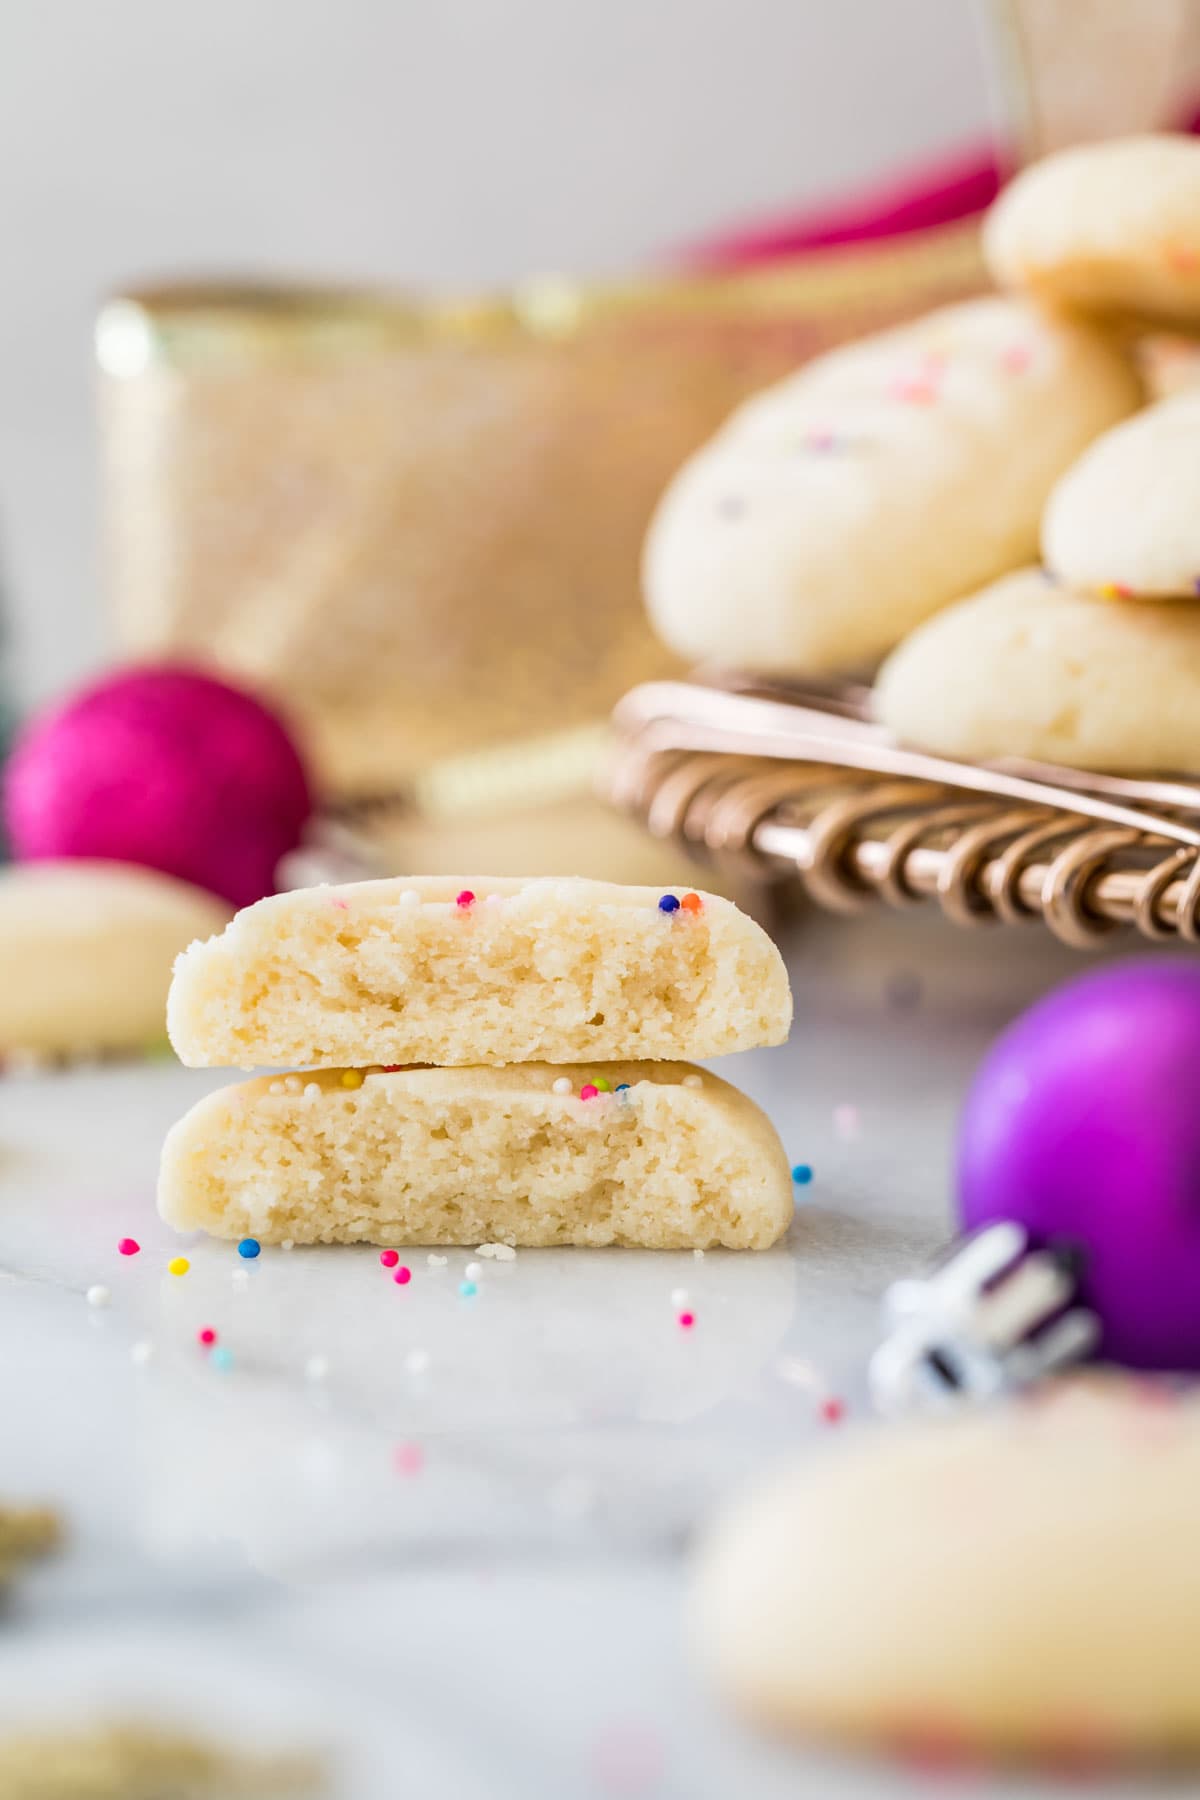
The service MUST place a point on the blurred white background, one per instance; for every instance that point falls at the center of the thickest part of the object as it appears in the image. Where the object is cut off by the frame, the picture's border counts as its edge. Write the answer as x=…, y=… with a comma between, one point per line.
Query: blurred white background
x=461, y=142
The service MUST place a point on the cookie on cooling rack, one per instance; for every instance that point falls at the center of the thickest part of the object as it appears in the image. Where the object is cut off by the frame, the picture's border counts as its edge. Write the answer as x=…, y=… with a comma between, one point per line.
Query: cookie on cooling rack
x=838, y=509
x=1029, y=668
x=1111, y=227
x=1125, y=520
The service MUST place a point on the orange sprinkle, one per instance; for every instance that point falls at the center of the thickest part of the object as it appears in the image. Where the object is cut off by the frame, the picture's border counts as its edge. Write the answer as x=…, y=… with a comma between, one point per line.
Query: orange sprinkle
x=692, y=903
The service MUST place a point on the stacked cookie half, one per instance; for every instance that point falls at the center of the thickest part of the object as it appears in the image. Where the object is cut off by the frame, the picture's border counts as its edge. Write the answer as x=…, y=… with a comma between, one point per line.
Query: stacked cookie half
x=482, y=1060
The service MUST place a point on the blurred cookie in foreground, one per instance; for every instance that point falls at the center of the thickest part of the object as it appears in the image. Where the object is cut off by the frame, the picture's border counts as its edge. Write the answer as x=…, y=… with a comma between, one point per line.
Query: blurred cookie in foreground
x=1017, y=1582
x=86, y=950
x=1028, y=668
x=1124, y=521
x=652, y=1155
x=836, y=510
x=1107, y=228
x=144, y=1762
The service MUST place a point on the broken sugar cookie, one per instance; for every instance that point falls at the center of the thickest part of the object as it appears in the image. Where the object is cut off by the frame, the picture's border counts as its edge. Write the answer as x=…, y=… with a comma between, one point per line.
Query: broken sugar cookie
x=839, y=508
x=1022, y=1580
x=86, y=950
x=455, y=971
x=659, y=1156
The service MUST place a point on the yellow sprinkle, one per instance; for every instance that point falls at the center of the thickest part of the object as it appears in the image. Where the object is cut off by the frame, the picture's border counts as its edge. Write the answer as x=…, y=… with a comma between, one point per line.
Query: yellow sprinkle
x=351, y=1078
x=178, y=1265
x=602, y=1085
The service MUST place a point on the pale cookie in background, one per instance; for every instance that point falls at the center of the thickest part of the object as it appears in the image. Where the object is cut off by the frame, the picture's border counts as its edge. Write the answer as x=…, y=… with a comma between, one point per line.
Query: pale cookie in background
x=1125, y=520
x=86, y=950
x=464, y=970
x=1028, y=668
x=1023, y=1580
x=1108, y=228
x=838, y=509
x=662, y=1156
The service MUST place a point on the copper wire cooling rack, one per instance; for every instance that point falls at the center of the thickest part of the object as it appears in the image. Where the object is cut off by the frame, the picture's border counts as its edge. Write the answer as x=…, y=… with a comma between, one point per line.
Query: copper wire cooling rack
x=792, y=785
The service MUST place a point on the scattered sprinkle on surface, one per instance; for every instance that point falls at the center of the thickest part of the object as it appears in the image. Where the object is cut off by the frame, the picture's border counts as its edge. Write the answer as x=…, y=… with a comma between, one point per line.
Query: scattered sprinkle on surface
x=500, y=1252
x=687, y=1320
x=831, y=1410
x=467, y=1289
x=802, y=1174
x=221, y=1358
x=389, y=1258
x=178, y=1265
x=206, y=1336
x=679, y=1297
x=408, y=1459
x=98, y=1295
x=403, y=1275
x=249, y=1248
x=473, y=1271
x=128, y=1246
x=435, y=1261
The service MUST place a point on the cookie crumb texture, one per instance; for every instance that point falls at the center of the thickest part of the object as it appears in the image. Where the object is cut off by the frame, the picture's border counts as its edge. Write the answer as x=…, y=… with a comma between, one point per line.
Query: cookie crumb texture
x=463, y=1156
x=555, y=970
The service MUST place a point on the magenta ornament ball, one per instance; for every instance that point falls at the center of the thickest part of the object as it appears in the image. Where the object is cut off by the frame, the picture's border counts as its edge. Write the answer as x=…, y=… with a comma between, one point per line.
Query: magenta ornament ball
x=1083, y=1125
x=168, y=767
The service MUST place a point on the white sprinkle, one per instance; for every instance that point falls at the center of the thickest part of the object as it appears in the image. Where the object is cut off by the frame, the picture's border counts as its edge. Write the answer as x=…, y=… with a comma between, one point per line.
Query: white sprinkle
x=287, y=1244
x=312, y=1090
x=240, y=1276
x=276, y=1087
x=699, y=1255
x=98, y=1295
x=561, y=1086
x=142, y=1352
x=473, y=1271
x=416, y=1362
x=292, y=1083
x=693, y=1081
x=494, y=900
x=410, y=897
x=436, y=1262
x=797, y=1372
x=316, y=1368
x=679, y=1296
x=501, y=1252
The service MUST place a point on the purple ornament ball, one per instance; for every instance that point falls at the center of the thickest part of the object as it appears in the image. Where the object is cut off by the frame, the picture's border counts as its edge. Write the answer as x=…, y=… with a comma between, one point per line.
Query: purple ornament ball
x=1083, y=1125
x=163, y=766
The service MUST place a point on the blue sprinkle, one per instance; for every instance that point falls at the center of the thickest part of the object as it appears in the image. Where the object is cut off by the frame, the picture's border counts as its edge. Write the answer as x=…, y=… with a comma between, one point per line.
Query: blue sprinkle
x=802, y=1174
x=220, y=1358
x=249, y=1247
x=467, y=1288
x=668, y=904
x=622, y=1087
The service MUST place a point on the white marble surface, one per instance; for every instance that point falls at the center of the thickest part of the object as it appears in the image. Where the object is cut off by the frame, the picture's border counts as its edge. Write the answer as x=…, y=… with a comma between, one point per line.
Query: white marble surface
x=508, y=1620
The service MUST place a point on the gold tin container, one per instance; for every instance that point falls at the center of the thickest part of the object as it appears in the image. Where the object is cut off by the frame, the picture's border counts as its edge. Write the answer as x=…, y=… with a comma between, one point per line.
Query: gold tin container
x=419, y=525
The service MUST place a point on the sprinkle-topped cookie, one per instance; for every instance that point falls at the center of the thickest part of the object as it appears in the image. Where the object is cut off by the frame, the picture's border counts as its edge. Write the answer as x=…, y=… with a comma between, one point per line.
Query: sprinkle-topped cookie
x=563, y=971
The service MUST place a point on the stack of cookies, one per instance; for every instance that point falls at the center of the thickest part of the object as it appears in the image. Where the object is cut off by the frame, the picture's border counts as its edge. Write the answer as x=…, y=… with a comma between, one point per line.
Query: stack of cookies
x=482, y=1061
x=978, y=488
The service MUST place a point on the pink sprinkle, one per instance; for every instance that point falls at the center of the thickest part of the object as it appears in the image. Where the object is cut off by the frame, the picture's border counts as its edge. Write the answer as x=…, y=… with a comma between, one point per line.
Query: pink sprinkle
x=389, y=1258
x=687, y=1320
x=588, y=1092
x=465, y=899
x=1016, y=358
x=128, y=1246
x=207, y=1336
x=832, y=1411
x=408, y=1459
x=342, y=905
x=914, y=392
x=403, y=1275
